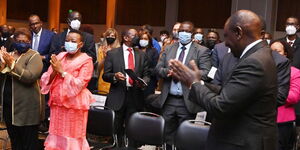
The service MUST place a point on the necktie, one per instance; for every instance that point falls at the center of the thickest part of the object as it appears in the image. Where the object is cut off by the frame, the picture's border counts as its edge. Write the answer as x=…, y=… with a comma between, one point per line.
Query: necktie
x=291, y=44
x=181, y=55
x=36, y=42
x=130, y=63
x=180, y=58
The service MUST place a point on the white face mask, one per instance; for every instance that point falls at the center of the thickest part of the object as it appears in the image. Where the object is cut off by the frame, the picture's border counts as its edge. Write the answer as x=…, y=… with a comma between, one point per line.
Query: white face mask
x=144, y=43
x=290, y=30
x=198, y=36
x=75, y=24
x=268, y=41
x=71, y=47
x=185, y=37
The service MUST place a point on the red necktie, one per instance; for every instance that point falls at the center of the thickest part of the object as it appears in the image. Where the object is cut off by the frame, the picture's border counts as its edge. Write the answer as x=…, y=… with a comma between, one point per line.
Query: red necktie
x=130, y=63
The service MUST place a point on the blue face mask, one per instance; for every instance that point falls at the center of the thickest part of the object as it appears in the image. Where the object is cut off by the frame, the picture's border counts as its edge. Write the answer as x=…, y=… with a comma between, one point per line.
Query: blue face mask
x=185, y=37
x=71, y=47
x=21, y=47
x=198, y=36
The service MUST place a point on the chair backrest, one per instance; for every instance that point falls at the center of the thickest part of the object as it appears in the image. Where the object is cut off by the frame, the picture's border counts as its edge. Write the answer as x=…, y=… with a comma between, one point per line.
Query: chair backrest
x=101, y=121
x=191, y=135
x=146, y=128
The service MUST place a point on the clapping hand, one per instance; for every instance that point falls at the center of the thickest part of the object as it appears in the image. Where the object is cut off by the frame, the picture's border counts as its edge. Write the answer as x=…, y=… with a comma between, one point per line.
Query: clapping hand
x=6, y=57
x=56, y=64
x=184, y=74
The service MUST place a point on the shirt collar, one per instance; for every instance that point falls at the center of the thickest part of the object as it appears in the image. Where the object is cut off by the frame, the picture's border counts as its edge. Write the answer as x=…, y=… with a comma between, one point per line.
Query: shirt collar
x=126, y=47
x=250, y=46
x=39, y=33
x=187, y=46
x=287, y=39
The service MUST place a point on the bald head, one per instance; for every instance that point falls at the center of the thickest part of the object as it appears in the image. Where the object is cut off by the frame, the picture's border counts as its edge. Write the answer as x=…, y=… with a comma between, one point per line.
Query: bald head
x=241, y=29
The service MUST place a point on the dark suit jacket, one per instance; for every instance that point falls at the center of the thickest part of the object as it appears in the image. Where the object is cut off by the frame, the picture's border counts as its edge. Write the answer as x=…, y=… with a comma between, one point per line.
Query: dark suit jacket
x=283, y=74
x=220, y=50
x=200, y=54
x=114, y=62
x=44, y=47
x=7, y=44
x=244, y=111
x=88, y=47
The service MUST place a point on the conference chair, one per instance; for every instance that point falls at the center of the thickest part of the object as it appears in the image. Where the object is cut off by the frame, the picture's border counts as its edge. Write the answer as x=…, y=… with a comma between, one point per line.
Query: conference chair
x=146, y=128
x=192, y=135
x=101, y=123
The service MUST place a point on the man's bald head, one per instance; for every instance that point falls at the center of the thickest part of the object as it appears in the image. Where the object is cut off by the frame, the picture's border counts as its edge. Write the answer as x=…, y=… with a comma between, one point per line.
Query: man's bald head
x=241, y=29
x=248, y=21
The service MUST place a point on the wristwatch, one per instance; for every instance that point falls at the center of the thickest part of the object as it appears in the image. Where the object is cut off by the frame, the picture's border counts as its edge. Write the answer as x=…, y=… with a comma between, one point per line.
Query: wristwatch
x=63, y=74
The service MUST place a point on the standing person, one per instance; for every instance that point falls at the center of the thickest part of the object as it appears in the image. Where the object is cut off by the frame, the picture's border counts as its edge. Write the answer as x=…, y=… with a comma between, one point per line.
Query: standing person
x=149, y=29
x=175, y=32
x=174, y=102
x=163, y=34
x=286, y=114
x=74, y=22
x=41, y=39
x=20, y=92
x=125, y=95
x=111, y=41
x=198, y=36
x=5, y=40
x=152, y=54
x=241, y=118
x=66, y=80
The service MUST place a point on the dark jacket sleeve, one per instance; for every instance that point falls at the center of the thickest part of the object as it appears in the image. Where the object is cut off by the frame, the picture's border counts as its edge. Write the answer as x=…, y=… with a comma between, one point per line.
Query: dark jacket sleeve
x=108, y=74
x=283, y=80
x=162, y=68
x=204, y=63
x=89, y=46
x=244, y=83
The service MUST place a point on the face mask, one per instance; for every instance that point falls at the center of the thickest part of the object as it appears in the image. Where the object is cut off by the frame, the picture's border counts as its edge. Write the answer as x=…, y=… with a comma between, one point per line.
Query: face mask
x=210, y=44
x=75, y=24
x=175, y=35
x=268, y=41
x=110, y=40
x=290, y=30
x=162, y=38
x=21, y=47
x=198, y=36
x=144, y=43
x=135, y=41
x=5, y=34
x=71, y=47
x=185, y=37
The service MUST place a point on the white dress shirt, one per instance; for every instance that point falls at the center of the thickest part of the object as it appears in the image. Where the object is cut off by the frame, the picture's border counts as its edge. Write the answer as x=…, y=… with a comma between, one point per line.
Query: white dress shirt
x=176, y=88
x=126, y=54
x=292, y=41
x=250, y=46
x=33, y=39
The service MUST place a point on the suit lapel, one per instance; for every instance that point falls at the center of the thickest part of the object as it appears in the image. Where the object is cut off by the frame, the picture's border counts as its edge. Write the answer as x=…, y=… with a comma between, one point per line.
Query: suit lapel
x=121, y=58
x=190, y=54
x=174, y=50
x=136, y=60
x=42, y=38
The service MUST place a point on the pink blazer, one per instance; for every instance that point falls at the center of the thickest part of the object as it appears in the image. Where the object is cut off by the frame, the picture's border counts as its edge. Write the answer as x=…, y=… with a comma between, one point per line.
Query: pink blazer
x=287, y=112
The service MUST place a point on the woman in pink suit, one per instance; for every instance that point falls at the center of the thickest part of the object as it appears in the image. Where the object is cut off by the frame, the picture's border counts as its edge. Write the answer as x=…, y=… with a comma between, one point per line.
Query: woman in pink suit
x=66, y=80
x=286, y=114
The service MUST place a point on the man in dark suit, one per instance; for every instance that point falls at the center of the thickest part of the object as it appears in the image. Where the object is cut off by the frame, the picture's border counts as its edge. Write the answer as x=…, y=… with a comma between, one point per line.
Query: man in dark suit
x=41, y=39
x=220, y=50
x=74, y=22
x=283, y=73
x=125, y=95
x=5, y=39
x=291, y=28
x=244, y=109
x=174, y=96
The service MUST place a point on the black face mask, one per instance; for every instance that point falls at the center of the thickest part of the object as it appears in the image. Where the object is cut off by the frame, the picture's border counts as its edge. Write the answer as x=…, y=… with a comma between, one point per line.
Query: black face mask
x=210, y=44
x=5, y=34
x=135, y=41
x=110, y=40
